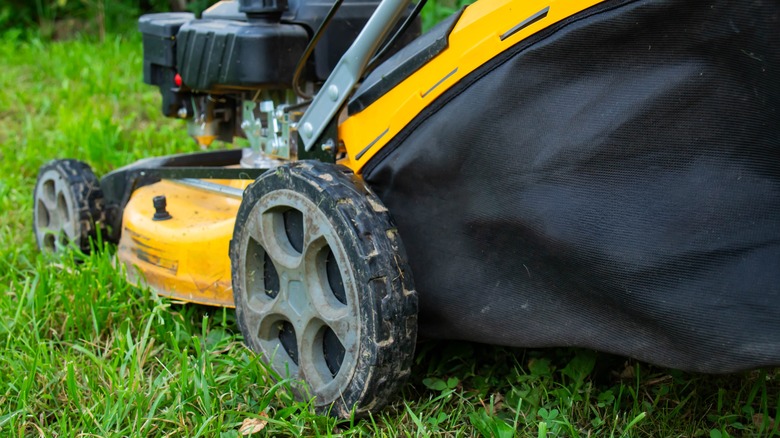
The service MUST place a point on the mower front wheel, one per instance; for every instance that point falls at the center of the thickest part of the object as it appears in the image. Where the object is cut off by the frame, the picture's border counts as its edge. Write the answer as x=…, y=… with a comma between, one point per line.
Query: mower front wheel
x=322, y=287
x=67, y=206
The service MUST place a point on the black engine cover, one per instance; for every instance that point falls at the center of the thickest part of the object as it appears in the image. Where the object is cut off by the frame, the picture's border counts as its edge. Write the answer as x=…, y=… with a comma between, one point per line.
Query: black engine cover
x=221, y=54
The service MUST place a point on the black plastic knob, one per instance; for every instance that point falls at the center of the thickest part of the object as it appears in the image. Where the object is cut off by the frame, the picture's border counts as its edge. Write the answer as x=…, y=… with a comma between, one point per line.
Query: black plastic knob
x=160, y=213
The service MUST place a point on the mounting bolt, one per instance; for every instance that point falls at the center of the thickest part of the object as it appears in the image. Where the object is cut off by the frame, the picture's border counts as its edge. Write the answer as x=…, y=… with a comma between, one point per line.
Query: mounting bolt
x=333, y=93
x=160, y=213
x=182, y=112
x=328, y=145
x=307, y=130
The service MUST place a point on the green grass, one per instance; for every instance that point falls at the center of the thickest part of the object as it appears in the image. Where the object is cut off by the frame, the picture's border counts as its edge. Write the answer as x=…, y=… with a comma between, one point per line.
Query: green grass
x=83, y=353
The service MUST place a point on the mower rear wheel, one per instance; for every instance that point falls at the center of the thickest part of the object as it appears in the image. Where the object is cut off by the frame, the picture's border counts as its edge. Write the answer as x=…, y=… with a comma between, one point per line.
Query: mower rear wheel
x=322, y=287
x=67, y=206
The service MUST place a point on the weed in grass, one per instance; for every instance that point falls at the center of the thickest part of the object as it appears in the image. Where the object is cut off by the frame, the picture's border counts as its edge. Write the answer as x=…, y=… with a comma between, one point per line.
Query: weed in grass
x=83, y=352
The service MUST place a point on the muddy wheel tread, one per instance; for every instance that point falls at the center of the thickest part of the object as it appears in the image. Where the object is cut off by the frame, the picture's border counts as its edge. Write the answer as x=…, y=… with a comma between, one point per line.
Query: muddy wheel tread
x=86, y=191
x=392, y=292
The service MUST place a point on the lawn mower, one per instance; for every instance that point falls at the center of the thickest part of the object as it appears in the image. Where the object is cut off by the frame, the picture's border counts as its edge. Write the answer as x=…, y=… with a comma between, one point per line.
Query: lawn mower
x=531, y=173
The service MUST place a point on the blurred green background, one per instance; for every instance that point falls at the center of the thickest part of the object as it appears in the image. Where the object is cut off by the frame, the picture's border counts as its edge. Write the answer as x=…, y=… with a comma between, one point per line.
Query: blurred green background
x=65, y=19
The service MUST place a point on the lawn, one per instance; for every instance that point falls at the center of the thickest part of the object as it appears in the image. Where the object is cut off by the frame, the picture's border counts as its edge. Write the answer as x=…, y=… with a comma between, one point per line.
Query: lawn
x=86, y=354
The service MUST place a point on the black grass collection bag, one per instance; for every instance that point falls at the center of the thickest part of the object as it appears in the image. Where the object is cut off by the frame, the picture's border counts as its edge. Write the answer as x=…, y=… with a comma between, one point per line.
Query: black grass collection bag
x=613, y=182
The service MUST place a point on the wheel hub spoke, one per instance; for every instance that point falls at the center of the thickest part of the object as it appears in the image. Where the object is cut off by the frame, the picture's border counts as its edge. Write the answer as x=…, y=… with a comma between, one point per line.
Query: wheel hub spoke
x=298, y=299
x=55, y=225
x=292, y=239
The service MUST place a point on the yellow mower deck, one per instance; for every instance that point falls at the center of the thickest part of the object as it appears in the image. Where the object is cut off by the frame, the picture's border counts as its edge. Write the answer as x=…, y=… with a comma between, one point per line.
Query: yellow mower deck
x=185, y=257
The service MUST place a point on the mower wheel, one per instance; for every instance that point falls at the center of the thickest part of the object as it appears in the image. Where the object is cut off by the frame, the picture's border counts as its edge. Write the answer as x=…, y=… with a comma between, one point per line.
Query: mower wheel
x=322, y=287
x=67, y=206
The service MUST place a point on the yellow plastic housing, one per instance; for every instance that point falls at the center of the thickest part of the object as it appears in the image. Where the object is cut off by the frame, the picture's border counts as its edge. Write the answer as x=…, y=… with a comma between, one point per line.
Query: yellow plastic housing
x=475, y=39
x=185, y=257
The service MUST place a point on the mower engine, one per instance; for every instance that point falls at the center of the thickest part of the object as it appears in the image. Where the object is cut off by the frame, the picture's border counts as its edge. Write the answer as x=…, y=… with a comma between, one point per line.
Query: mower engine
x=232, y=72
x=246, y=68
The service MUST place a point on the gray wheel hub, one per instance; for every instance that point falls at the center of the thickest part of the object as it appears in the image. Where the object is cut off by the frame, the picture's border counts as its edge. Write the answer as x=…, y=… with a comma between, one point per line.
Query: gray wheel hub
x=306, y=329
x=54, y=212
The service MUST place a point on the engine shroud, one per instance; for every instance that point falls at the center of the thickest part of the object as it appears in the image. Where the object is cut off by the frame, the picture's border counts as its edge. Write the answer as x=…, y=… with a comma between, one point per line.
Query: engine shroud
x=215, y=55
